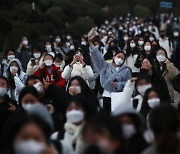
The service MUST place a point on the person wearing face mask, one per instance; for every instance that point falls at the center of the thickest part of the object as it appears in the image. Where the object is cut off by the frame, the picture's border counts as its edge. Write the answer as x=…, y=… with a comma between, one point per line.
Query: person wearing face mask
x=59, y=62
x=125, y=41
x=150, y=69
x=76, y=86
x=146, y=52
x=102, y=135
x=7, y=105
x=61, y=47
x=16, y=77
x=133, y=127
x=140, y=44
x=48, y=47
x=142, y=84
x=176, y=47
x=131, y=57
x=112, y=48
x=76, y=116
x=151, y=100
x=113, y=76
x=33, y=63
x=57, y=42
x=164, y=122
x=5, y=62
x=27, y=133
x=167, y=69
x=49, y=72
x=29, y=97
x=152, y=38
x=165, y=43
x=78, y=67
x=24, y=52
x=54, y=97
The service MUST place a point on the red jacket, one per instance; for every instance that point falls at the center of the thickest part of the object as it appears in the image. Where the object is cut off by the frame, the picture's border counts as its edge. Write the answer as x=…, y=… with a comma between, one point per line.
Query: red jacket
x=52, y=76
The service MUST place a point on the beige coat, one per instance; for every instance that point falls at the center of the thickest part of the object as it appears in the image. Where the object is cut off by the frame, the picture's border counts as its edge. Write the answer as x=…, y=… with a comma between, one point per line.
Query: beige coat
x=169, y=74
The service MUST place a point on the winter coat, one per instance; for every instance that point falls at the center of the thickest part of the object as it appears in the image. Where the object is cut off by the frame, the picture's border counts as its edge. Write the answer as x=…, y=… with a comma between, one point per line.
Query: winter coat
x=24, y=55
x=58, y=97
x=52, y=76
x=130, y=61
x=78, y=70
x=169, y=74
x=176, y=83
x=72, y=136
x=158, y=82
x=19, y=80
x=4, y=112
x=108, y=72
x=4, y=66
x=31, y=69
x=167, y=45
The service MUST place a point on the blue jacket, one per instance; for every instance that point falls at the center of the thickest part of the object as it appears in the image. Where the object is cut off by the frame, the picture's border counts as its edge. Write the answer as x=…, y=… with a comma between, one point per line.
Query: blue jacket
x=108, y=72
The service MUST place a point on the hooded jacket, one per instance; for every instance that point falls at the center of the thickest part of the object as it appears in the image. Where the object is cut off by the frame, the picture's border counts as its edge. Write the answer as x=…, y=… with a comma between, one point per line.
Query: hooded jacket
x=108, y=72
x=53, y=76
x=19, y=79
x=4, y=66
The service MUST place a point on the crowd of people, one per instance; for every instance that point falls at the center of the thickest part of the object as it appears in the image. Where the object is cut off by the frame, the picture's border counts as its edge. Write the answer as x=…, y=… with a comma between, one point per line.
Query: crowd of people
x=111, y=92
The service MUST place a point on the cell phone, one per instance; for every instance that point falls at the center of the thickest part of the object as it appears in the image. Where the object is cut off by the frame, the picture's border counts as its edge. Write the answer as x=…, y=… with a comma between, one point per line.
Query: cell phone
x=92, y=32
x=33, y=60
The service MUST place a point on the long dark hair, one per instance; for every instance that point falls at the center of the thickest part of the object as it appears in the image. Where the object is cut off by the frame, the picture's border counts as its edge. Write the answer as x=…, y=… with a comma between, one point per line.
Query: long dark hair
x=109, y=54
x=85, y=90
x=164, y=121
x=145, y=109
x=10, y=77
x=14, y=125
x=130, y=50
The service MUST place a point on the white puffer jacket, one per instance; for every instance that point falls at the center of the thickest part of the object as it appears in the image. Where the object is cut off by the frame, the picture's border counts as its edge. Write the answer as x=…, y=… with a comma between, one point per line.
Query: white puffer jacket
x=78, y=70
x=19, y=80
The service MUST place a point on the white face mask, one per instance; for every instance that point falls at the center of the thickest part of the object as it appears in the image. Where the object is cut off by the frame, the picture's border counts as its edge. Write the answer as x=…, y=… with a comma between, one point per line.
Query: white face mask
x=126, y=38
x=78, y=88
x=83, y=43
x=68, y=37
x=48, y=48
x=176, y=34
x=48, y=62
x=10, y=57
x=3, y=91
x=118, y=61
x=29, y=147
x=145, y=29
x=142, y=89
x=27, y=106
x=128, y=130
x=147, y=47
x=120, y=28
x=140, y=42
x=13, y=68
x=37, y=55
x=132, y=45
x=68, y=44
x=160, y=58
x=39, y=87
x=151, y=39
x=154, y=102
x=74, y=116
x=72, y=47
x=58, y=40
x=25, y=42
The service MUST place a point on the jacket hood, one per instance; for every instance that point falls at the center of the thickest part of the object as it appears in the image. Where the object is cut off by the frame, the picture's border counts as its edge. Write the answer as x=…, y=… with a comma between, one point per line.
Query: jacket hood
x=18, y=63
